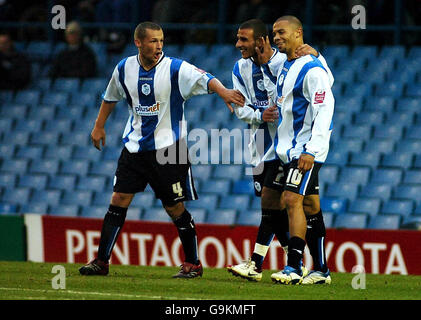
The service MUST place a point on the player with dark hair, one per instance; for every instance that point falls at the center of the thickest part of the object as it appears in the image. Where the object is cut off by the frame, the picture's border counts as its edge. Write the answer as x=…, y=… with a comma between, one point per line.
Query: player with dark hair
x=261, y=115
x=155, y=88
x=302, y=92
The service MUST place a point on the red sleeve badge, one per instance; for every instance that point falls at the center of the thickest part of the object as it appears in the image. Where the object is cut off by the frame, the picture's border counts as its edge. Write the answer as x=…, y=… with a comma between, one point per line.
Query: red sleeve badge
x=319, y=97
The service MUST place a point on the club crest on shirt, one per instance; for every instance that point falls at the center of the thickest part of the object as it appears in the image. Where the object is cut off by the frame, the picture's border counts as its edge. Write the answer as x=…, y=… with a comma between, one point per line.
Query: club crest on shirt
x=261, y=85
x=281, y=79
x=146, y=89
x=147, y=110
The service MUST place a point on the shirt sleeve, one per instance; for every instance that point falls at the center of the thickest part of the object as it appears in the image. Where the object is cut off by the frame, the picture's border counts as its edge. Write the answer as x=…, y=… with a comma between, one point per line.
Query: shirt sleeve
x=247, y=113
x=114, y=91
x=317, y=90
x=329, y=73
x=193, y=81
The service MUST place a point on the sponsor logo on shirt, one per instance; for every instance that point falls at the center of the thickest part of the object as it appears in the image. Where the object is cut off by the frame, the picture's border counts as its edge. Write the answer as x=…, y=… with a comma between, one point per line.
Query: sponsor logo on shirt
x=319, y=96
x=147, y=110
x=263, y=103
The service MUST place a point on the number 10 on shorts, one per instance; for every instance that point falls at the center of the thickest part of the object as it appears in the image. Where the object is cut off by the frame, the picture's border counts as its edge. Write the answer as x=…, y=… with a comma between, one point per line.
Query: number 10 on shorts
x=294, y=177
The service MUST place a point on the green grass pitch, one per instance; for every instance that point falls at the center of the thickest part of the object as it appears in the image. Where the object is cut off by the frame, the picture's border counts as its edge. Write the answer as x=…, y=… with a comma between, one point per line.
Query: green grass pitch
x=26, y=280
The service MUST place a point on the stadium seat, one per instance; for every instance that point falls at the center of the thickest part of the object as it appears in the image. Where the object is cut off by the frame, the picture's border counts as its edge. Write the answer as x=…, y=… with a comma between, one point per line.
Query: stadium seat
x=417, y=211
x=368, y=159
x=384, y=222
x=103, y=167
x=395, y=51
x=199, y=215
x=45, y=138
x=8, y=179
x=87, y=153
x=75, y=138
x=7, y=208
x=78, y=167
x=29, y=152
x=13, y=111
x=413, y=90
x=408, y=191
x=234, y=172
x=28, y=97
x=14, y=165
x=357, y=131
x=205, y=201
x=379, y=145
x=412, y=177
x=406, y=119
x=51, y=197
x=43, y=112
x=336, y=158
x=39, y=50
x=388, y=132
x=238, y=202
x=111, y=153
x=411, y=222
x=94, y=211
x=40, y=208
x=55, y=98
x=328, y=218
x=7, y=151
x=17, y=138
x=72, y=112
x=6, y=96
x=361, y=52
x=59, y=152
x=156, y=214
x=409, y=146
x=342, y=190
x=359, y=175
x=348, y=145
x=66, y=84
x=351, y=221
x=58, y=125
x=92, y=183
x=368, y=117
x=35, y=181
x=397, y=160
x=365, y=205
x=16, y=195
x=104, y=199
x=45, y=166
x=328, y=173
x=400, y=207
x=413, y=132
x=391, y=89
x=222, y=216
x=219, y=186
x=358, y=89
x=335, y=205
x=29, y=125
x=392, y=176
x=249, y=218
x=62, y=182
x=85, y=100
x=133, y=213
x=78, y=197
x=94, y=85
x=66, y=210
x=407, y=104
x=375, y=190
x=245, y=186
x=417, y=162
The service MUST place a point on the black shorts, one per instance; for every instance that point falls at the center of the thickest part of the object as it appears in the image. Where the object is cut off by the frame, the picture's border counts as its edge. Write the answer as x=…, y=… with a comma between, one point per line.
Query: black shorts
x=304, y=184
x=171, y=183
x=268, y=174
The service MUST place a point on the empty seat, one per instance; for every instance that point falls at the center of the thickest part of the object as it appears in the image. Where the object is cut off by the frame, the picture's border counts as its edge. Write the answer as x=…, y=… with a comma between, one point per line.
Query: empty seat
x=412, y=176
x=348, y=145
x=16, y=195
x=40, y=208
x=8, y=179
x=84, y=99
x=62, y=182
x=8, y=208
x=205, y=201
x=368, y=159
x=73, y=112
x=397, y=160
x=199, y=215
x=407, y=104
x=44, y=138
x=365, y=205
x=335, y=205
x=376, y=103
x=51, y=197
x=92, y=183
x=249, y=217
x=409, y=146
x=413, y=132
x=43, y=112
x=413, y=90
x=379, y=145
x=351, y=221
x=357, y=131
x=66, y=84
x=234, y=172
x=104, y=199
x=391, y=176
x=358, y=175
x=30, y=152
x=17, y=138
x=375, y=190
x=222, y=216
x=14, y=165
x=328, y=218
x=220, y=186
x=342, y=190
x=143, y=199
x=239, y=202
x=13, y=111
x=35, y=181
x=94, y=211
x=133, y=213
x=328, y=173
x=78, y=197
x=388, y=132
x=392, y=89
x=55, y=98
x=94, y=85
x=29, y=125
x=78, y=167
x=67, y=210
x=368, y=117
x=103, y=167
x=58, y=125
x=417, y=162
x=408, y=191
x=59, y=152
x=384, y=222
x=156, y=214
x=86, y=153
x=75, y=138
x=336, y=158
x=400, y=207
x=29, y=97
x=46, y=166
x=7, y=151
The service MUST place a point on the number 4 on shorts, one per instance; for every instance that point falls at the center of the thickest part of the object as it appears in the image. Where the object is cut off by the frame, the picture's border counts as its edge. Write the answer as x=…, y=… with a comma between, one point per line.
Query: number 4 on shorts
x=176, y=188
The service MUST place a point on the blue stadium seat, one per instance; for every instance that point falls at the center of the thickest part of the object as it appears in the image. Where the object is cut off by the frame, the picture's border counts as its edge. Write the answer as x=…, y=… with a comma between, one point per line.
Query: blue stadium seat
x=234, y=172
x=35, y=181
x=397, y=52
x=29, y=125
x=78, y=167
x=397, y=160
x=62, y=152
x=335, y=205
x=357, y=131
x=14, y=165
x=51, y=197
x=342, y=190
x=103, y=167
x=413, y=132
x=92, y=183
x=133, y=213
x=351, y=221
x=94, y=85
x=199, y=215
x=407, y=104
x=73, y=112
x=39, y=50
x=205, y=201
x=8, y=208
x=405, y=119
x=193, y=52
x=413, y=90
x=361, y=52
x=328, y=173
x=94, y=211
x=58, y=125
x=412, y=177
x=384, y=222
x=43, y=112
x=66, y=84
x=111, y=153
x=17, y=138
x=46, y=166
x=388, y=132
x=375, y=190
x=65, y=210
x=328, y=218
x=358, y=90
x=379, y=145
x=354, y=175
x=245, y=186
x=409, y=146
x=75, y=138
x=6, y=125
x=55, y=98
x=8, y=179
x=79, y=197
x=40, y=208
x=368, y=117
x=249, y=218
x=13, y=111
x=43, y=84
x=219, y=186
x=6, y=96
x=408, y=191
x=29, y=152
x=85, y=99
x=368, y=159
x=45, y=138
x=417, y=162
x=62, y=182
x=255, y=203
x=239, y=202
x=28, y=97
x=16, y=195
x=87, y=153
x=365, y=205
x=7, y=151
x=392, y=176
x=417, y=211
x=348, y=145
x=336, y=158
x=222, y=216
x=104, y=199
x=156, y=214
x=390, y=89
x=399, y=207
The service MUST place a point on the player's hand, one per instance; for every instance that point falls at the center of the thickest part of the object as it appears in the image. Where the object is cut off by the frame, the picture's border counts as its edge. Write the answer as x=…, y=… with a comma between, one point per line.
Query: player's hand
x=305, y=162
x=270, y=114
x=305, y=49
x=264, y=50
x=98, y=136
x=232, y=96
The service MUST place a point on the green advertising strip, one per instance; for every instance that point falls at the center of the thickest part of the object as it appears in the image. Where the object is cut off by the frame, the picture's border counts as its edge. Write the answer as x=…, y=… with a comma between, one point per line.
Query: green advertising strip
x=12, y=238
